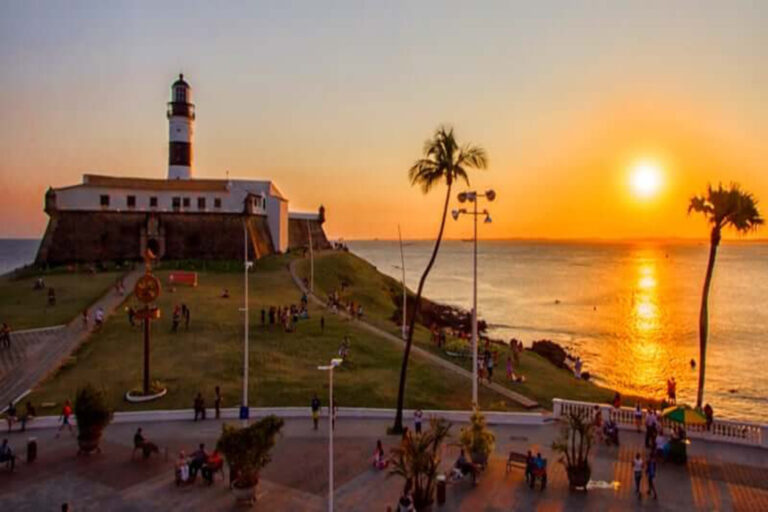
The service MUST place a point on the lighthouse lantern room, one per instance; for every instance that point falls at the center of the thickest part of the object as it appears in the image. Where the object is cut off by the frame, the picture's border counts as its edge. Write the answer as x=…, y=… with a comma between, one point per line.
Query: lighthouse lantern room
x=181, y=117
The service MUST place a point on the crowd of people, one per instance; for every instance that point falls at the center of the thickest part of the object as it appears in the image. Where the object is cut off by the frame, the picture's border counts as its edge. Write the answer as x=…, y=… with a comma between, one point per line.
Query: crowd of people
x=286, y=316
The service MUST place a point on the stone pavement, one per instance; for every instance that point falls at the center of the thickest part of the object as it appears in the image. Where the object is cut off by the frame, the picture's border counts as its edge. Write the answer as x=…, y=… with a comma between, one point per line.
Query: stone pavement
x=717, y=476
x=37, y=352
x=420, y=352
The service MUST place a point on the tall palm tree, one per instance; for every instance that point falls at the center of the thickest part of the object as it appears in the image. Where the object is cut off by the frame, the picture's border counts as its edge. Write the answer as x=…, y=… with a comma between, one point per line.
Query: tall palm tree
x=444, y=161
x=723, y=208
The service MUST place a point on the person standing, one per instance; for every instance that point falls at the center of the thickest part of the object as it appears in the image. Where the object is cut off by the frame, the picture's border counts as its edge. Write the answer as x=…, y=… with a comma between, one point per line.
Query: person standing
x=672, y=390
x=637, y=465
x=315, y=405
x=217, y=402
x=322, y=324
x=199, y=407
x=263, y=317
x=650, y=473
x=510, y=369
x=417, y=417
x=186, y=315
x=85, y=319
x=710, y=415
x=28, y=416
x=638, y=416
x=577, y=368
x=650, y=428
x=489, y=365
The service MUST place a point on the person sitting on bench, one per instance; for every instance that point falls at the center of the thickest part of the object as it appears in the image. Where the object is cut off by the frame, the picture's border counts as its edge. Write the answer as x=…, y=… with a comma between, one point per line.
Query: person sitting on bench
x=6, y=455
x=539, y=471
x=198, y=458
x=463, y=467
x=213, y=463
x=147, y=447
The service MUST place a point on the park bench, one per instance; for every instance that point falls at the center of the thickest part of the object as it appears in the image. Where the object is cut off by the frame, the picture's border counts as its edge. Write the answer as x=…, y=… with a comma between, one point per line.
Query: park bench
x=180, y=277
x=516, y=459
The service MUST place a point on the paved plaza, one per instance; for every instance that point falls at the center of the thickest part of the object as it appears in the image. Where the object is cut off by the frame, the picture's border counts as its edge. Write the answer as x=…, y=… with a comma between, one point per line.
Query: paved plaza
x=717, y=476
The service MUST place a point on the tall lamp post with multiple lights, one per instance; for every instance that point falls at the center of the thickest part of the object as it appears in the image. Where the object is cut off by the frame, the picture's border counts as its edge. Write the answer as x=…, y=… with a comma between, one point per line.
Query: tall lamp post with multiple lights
x=473, y=197
x=329, y=368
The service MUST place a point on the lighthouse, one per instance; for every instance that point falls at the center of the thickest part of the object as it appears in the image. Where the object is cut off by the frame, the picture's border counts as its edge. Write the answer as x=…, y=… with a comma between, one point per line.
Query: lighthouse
x=181, y=118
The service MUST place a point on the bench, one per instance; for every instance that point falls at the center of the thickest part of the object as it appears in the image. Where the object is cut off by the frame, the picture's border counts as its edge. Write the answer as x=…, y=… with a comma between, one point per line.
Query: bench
x=180, y=277
x=516, y=459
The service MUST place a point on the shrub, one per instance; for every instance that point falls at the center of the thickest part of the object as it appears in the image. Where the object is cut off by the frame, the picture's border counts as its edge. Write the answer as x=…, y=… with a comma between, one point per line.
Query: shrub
x=91, y=409
x=476, y=438
x=247, y=449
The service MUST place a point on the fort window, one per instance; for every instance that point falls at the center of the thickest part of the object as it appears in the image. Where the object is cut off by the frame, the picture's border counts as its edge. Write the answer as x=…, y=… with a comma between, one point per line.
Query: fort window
x=131, y=201
x=176, y=203
x=153, y=202
x=104, y=200
x=201, y=203
x=217, y=202
x=186, y=202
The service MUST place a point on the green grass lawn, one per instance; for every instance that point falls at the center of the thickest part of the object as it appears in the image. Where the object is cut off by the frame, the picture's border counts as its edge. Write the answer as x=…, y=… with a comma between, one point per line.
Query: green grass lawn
x=375, y=291
x=22, y=307
x=283, y=366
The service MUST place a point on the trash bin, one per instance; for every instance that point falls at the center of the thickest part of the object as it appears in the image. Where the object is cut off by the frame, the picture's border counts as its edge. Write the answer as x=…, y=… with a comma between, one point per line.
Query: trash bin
x=31, y=449
x=440, y=489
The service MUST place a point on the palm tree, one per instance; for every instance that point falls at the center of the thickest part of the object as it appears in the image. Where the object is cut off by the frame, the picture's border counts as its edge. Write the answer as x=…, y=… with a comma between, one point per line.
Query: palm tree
x=722, y=207
x=444, y=161
x=417, y=460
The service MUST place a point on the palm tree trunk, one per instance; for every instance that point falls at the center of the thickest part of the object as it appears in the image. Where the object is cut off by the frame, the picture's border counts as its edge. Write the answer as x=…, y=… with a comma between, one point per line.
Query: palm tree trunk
x=704, y=313
x=398, y=426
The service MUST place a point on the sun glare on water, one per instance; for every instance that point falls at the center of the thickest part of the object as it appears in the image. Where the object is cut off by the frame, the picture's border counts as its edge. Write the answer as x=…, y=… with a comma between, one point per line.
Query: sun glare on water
x=645, y=179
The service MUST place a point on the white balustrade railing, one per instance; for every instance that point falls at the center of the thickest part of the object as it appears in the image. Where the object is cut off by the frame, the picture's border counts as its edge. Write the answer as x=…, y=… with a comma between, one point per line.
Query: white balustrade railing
x=739, y=432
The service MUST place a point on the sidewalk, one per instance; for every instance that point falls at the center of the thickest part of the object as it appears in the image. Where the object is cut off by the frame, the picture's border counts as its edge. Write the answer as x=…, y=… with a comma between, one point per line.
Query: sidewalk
x=49, y=347
x=515, y=397
x=717, y=477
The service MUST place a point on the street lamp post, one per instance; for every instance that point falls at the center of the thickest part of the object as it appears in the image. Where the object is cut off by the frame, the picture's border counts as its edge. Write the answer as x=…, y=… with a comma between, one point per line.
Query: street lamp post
x=472, y=197
x=244, y=411
x=311, y=260
x=329, y=368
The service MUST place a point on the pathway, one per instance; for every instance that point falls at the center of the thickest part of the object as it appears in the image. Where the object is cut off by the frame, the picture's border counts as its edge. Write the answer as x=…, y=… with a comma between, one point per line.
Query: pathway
x=717, y=476
x=435, y=359
x=37, y=352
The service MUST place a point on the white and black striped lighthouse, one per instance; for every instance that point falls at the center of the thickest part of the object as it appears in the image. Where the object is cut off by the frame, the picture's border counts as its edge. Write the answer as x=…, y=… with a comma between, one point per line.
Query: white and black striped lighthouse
x=181, y=118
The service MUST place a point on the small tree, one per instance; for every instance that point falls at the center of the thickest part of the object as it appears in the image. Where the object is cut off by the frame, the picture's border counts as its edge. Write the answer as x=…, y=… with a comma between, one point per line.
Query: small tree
x=93, y=414
x=477, y=439
x=417, y=460
x=247, y=449
x=575, y=444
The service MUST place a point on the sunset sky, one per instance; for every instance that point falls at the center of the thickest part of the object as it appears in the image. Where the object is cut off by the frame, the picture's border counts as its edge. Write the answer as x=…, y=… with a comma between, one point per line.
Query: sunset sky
x=333, y=101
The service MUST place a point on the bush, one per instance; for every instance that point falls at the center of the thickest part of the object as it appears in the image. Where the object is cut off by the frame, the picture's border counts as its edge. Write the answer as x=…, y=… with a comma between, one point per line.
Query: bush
x=247, y=449
x=476, y=438
x=91, y=409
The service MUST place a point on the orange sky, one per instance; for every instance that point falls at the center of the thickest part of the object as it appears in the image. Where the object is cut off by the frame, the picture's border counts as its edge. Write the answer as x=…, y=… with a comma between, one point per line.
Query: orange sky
x=335, y=106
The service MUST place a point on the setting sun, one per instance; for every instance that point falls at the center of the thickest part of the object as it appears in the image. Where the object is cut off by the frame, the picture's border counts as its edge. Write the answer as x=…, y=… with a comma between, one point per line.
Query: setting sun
x=645, y=179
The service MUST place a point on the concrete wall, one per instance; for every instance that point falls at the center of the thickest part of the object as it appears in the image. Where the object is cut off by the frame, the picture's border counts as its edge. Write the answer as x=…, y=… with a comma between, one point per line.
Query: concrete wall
x=81, y=237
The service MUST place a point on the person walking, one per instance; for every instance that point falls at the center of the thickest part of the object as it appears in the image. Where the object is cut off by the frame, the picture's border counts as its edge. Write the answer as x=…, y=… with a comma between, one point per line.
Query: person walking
x=638, y=416
x=650, y=473
x=85, y=319
x=637, y=465
x=417, y=417
x=10, y=415
x=315, y=405
x=709, y=413
x=66, y=412
x=263, y=317
x=510, y=369
x=217, y=402
x=176, y=318
x=322, y=324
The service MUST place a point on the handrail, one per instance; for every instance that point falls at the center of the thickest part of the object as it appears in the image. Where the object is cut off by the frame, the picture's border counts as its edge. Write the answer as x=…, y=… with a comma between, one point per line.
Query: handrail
x=731, y=431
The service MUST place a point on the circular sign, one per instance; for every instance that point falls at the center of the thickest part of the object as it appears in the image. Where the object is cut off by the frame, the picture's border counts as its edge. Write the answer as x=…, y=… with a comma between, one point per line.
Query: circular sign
x=147, y=288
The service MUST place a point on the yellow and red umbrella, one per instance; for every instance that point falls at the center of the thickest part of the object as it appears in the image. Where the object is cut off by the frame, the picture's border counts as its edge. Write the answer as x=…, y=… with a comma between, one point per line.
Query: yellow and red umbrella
x=684, y=414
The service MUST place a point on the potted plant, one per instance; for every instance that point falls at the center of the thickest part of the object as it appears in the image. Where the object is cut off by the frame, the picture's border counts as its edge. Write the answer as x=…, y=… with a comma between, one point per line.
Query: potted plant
x=247, y=451
x=575, y=444
x=476, y=439
x=417, y=460
x=93, y=415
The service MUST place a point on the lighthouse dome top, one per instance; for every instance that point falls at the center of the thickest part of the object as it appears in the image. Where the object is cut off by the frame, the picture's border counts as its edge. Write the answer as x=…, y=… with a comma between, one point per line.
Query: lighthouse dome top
x=181, y=82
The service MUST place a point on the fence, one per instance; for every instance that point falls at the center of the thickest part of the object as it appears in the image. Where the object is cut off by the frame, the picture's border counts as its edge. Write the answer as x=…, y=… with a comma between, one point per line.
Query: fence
x=737, y=432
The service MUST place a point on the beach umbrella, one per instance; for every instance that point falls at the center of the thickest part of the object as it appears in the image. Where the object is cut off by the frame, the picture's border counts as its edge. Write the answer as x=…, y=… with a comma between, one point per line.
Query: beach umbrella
x=684, y=414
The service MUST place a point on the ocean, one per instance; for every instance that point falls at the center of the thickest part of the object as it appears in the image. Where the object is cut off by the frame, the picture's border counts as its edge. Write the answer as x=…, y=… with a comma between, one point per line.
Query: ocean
x=630, y=310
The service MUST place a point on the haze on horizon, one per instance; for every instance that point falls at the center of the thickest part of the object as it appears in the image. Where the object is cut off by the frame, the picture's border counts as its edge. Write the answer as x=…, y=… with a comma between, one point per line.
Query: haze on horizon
x=335, y=102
